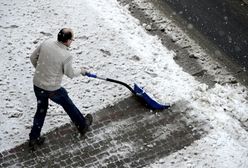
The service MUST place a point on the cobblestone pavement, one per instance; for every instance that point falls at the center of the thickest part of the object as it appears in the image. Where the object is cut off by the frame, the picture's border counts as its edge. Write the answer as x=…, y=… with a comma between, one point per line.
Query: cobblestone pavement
x=124, y=135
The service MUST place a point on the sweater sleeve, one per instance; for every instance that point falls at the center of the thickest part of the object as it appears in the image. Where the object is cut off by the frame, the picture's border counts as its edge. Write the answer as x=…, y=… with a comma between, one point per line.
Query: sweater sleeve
x=35, y=56
x=69, y=71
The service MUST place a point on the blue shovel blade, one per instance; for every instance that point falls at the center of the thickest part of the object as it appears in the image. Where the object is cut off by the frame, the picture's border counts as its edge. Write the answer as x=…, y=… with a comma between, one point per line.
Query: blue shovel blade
x=149, y=101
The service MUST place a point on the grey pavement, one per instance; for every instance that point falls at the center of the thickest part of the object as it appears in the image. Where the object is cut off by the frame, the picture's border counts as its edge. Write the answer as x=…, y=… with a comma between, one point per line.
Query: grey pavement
x=124, y=135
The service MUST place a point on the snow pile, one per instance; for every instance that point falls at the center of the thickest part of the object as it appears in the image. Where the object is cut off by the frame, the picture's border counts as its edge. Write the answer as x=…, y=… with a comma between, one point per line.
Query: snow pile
x=179, y=37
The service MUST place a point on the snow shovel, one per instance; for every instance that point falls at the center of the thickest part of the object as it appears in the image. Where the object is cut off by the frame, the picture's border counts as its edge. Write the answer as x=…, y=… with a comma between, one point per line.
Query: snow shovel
x=138, y=91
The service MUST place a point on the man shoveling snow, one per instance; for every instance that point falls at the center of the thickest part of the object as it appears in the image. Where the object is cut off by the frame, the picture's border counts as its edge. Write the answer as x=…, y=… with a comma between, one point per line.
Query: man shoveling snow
x=51, y=61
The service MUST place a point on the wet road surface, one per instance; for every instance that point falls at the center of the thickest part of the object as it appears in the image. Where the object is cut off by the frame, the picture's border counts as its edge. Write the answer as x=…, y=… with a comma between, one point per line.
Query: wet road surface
x=223, y=22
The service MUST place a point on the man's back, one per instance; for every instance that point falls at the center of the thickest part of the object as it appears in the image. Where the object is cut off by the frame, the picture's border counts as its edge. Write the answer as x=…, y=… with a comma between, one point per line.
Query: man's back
x=52, y=56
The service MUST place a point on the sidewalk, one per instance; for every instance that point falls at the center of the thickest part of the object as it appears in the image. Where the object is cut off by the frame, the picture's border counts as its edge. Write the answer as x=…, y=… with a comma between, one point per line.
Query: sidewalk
x=125, y=135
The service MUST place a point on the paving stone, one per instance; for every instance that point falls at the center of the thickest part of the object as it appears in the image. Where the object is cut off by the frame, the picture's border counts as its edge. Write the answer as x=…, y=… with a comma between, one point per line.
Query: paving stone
x=124, y=135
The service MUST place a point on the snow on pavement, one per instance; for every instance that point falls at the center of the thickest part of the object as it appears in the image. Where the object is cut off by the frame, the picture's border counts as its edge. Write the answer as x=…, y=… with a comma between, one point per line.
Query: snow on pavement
x=111, y=43
x=107, y=47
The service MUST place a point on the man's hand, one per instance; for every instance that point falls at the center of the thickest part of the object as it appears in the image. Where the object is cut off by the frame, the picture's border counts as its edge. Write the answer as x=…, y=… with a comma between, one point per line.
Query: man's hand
x=83, y=71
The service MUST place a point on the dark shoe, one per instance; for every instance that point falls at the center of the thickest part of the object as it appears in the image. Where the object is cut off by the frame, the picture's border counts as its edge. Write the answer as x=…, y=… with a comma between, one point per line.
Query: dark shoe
x=36, y=142
x=89, y=119
x=83, y=130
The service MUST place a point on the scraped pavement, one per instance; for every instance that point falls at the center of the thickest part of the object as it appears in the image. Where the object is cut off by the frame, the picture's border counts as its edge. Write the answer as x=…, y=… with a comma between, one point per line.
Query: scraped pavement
x=124, y=135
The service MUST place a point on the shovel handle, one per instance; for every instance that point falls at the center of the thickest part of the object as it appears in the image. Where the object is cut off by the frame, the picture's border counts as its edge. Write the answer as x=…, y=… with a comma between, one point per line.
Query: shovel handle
x=110, y=80
x=94, y=76
x=90, y=75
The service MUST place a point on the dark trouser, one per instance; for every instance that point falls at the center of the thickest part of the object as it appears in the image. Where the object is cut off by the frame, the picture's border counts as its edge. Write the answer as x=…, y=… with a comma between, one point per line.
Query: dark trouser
x=60, y=97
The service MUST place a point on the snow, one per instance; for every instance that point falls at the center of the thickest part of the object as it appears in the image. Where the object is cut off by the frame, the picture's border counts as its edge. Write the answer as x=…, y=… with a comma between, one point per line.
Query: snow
x=111, y=43
x=207, y=152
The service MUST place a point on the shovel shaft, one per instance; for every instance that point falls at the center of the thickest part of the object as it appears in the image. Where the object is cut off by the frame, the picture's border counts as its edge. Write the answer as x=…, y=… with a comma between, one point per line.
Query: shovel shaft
x=122, y=83
x=111, y=80
x=94, y=76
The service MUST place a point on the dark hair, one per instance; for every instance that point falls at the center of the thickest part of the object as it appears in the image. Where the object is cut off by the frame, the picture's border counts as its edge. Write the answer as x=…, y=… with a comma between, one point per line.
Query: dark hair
x=64, y=35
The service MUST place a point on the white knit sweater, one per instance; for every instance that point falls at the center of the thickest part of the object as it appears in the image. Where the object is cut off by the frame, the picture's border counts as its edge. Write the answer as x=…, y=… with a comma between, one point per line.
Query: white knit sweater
x=52, y=60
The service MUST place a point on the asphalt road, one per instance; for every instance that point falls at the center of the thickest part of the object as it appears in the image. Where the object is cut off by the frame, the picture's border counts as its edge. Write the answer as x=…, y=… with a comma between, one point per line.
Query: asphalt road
x=223, y=22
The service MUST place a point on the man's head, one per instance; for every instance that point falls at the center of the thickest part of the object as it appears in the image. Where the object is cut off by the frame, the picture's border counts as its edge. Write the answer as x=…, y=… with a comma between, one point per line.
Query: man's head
x=65, y=36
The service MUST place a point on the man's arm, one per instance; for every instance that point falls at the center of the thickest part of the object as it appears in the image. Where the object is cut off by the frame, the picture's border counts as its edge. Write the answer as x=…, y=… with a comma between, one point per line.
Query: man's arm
x=69, y=71
x=35, y=56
